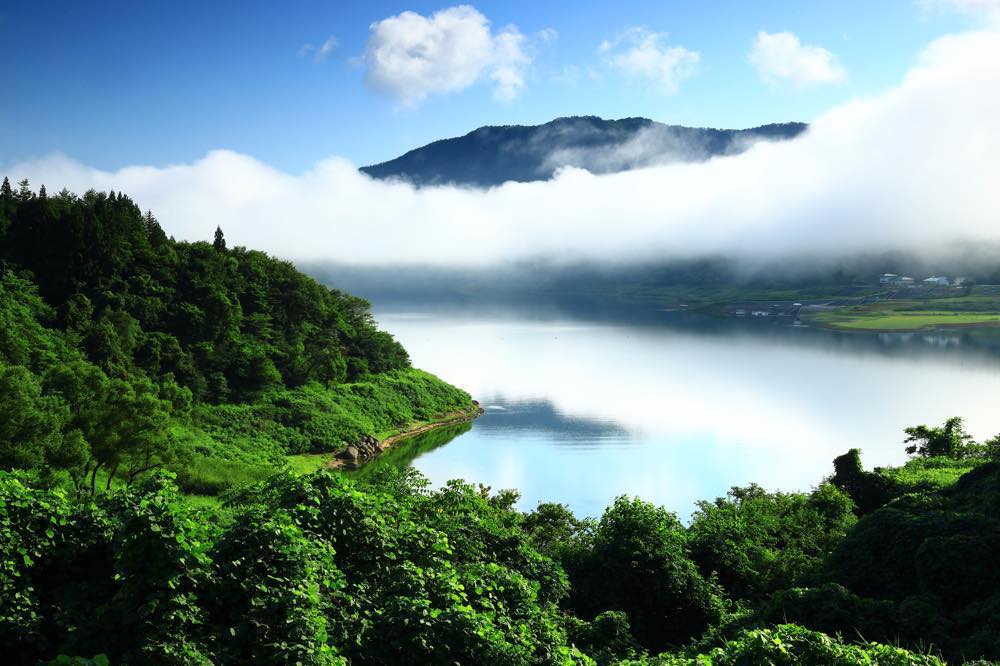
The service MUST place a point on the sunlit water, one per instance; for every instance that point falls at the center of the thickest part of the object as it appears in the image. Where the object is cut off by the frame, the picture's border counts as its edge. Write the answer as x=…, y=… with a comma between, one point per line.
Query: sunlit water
x=675, y=407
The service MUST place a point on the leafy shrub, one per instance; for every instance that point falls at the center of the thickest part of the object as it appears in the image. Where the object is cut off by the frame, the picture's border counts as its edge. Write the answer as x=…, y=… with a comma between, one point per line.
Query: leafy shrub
x=758, y=542
x=792, y=645
x=637, y=560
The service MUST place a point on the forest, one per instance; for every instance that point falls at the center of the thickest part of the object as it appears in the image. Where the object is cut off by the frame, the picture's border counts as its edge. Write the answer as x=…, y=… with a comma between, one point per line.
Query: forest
x=123, y=351
x=138, y=373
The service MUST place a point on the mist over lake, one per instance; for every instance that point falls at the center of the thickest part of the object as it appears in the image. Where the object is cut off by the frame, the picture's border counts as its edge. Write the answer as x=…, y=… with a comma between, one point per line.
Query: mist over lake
x=500, y=333
x=583, y=405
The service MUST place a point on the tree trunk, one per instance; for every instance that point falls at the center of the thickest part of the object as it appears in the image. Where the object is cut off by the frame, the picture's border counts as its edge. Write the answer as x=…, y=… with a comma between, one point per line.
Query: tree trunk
x=93, y=479
x=111, y=475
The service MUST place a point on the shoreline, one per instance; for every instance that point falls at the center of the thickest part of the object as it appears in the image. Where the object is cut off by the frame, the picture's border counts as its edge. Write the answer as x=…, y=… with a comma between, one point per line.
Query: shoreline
x=337, y=461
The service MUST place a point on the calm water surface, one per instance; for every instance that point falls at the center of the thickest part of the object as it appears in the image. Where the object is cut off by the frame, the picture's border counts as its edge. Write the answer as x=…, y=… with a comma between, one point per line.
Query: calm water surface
x=676, y=407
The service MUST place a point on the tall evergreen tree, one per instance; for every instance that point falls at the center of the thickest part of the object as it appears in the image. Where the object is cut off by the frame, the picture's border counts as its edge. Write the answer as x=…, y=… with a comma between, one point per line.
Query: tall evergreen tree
x=5, y=192
x=24, y=190
x=220, y=241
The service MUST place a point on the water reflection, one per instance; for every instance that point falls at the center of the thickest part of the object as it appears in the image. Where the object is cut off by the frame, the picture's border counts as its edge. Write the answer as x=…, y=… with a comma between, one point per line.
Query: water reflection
x=505, y=417
x=677, y=407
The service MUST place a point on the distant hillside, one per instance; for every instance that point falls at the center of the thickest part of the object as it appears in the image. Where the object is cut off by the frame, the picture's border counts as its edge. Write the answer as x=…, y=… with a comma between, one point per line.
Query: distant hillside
x=493, y=155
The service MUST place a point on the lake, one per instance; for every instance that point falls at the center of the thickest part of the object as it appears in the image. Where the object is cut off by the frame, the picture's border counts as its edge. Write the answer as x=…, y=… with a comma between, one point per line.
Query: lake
x=583, y=406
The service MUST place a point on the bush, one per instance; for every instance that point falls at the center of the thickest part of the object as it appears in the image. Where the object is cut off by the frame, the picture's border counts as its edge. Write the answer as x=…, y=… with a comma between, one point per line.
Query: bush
x=757, y=542
x=791, y=645
x=637, y=561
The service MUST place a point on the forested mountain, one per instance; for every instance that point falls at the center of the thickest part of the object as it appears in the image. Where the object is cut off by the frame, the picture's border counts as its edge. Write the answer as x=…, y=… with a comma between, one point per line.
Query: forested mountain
x=124, y=351
x=493, y=155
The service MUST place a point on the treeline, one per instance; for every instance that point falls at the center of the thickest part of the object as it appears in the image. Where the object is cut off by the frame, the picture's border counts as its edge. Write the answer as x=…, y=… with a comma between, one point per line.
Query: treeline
x=124, y=351
x=225, y=323
x=328, y=569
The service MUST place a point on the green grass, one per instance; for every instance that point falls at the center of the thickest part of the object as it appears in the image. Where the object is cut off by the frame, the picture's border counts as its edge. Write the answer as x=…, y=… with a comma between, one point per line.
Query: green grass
x=403, y=453
x=236, y=444
x=203, y=501
x=400, y=454
x=912, y=314
x=307, y=463
x=895, y=320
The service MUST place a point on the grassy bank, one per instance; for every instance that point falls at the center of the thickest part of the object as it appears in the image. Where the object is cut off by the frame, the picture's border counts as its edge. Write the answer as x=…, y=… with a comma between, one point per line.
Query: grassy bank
x=305, y=427
x=402, y=445
x=911, y=315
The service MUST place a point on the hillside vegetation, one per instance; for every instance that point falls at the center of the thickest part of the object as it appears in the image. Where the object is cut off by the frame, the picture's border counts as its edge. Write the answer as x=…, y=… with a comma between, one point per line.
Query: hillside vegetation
x=136, y=370
x=123, y=351
x=330, y=569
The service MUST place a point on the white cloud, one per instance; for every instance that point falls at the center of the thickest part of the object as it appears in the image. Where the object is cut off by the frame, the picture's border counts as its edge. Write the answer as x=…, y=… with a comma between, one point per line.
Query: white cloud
x=325, y=49
x=410, y=56
x=914, y=168
x=781, y=58
x=319, y=54
x=548, y=35
x=988, y=9
x=642, y=54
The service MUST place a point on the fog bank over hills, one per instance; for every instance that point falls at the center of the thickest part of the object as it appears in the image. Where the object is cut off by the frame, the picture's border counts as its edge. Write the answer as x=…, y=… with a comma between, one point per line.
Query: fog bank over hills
x=491, y=156
x=913, y=169
x=525, y=281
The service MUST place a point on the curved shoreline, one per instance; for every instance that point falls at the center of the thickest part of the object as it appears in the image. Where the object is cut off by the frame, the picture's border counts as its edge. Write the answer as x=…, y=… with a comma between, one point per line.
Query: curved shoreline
x=451, y=418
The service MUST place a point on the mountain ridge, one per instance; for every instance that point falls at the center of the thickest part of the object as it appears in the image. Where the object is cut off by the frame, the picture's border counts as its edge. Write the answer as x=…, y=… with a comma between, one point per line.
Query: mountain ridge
x=493, y=154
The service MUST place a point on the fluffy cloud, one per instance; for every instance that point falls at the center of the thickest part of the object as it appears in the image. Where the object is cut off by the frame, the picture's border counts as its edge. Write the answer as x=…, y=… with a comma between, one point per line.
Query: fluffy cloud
x=781, y=58
x=642, y=54
x=410, y=56
x=914, y=168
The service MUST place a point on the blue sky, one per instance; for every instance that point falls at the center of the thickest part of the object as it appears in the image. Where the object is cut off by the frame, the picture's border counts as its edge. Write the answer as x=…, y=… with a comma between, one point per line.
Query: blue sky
x=123, y=83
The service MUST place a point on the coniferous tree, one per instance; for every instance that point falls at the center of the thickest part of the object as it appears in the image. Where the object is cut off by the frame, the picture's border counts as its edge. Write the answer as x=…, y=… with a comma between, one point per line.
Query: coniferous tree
x=220, y=241
x=5, y=192
x=24, y=190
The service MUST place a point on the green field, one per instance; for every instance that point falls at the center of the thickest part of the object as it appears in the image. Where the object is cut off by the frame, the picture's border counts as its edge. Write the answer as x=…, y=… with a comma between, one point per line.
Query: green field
x=912, y=315
x=900, y=321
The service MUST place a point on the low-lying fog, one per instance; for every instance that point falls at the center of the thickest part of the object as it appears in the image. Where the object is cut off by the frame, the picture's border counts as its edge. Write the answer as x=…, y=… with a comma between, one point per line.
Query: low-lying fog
x=914, y=168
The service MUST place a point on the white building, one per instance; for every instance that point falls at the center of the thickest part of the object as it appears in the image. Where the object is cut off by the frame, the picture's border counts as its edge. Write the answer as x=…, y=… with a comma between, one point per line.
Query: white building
x=937, y=281
x=888, y=278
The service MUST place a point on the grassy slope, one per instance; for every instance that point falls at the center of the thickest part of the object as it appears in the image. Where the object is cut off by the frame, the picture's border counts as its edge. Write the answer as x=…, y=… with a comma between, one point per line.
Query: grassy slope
x=234, y=444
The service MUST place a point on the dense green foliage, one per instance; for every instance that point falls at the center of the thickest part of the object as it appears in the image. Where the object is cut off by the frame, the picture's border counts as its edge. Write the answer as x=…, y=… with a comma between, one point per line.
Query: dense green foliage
x=300, y=570
x=123, y=351
x=791, y=645
x=224, y=323
x=938, y=570
x=757, y=543
x=655, y=581
x=326, y=569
